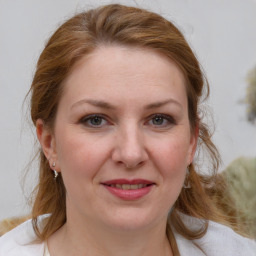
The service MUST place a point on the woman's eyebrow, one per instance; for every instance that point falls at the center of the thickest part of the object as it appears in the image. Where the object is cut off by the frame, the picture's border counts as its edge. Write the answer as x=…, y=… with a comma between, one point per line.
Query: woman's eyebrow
x=96, y=103
x=162, y=103
x=107, y=105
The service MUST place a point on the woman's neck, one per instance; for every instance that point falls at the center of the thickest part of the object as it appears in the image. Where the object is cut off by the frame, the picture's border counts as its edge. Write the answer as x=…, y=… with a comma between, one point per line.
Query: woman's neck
x=94, y=240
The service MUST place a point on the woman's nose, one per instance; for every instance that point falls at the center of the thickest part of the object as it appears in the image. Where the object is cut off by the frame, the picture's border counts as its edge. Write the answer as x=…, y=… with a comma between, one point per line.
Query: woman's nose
x=130, y=148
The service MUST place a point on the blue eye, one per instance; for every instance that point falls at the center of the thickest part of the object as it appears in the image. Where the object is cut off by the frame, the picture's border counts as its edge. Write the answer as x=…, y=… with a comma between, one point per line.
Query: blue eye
x=93, y=121
x=161, y=120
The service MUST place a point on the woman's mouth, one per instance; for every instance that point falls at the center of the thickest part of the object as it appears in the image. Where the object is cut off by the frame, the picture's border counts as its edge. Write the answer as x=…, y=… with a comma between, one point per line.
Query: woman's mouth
x=128, y=186
x=129, y=189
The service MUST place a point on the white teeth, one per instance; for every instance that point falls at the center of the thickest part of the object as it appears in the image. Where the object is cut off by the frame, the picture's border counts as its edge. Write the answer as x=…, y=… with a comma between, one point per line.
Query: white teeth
x=134, y=186
x=128, y=186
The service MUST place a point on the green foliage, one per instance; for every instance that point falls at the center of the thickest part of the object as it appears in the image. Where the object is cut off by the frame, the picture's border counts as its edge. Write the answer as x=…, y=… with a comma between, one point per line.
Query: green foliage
x=241, y=179
x=251, y=96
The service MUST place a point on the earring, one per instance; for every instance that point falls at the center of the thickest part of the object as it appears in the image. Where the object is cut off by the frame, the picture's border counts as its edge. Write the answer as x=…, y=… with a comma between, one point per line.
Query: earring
x=56, y=174
x=186, y=182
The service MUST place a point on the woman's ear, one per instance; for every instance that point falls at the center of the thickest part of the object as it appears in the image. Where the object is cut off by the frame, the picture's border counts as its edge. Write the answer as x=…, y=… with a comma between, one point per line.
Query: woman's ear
x=47, y=141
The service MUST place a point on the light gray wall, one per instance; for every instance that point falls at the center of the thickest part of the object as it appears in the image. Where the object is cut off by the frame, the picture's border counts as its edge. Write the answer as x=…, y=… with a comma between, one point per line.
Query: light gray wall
x=222, y=33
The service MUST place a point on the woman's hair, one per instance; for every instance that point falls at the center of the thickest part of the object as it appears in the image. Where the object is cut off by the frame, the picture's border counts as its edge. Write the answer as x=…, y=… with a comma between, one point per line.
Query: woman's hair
x=120, y=25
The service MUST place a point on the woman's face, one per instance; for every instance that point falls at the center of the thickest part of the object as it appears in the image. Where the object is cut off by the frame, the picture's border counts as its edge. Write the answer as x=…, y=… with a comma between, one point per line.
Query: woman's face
x=122, y=138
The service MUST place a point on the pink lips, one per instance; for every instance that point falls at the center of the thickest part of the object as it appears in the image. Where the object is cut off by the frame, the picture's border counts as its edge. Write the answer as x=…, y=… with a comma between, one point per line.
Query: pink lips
x=140, y=188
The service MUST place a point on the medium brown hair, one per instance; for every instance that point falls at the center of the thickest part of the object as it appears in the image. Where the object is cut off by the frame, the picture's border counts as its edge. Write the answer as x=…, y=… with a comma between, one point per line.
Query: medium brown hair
x=129, y=26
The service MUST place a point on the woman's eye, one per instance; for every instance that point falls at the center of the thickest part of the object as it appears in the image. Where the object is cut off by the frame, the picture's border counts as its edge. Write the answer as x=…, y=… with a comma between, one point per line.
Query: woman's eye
x=94, y=121
x=158, y=120
x=161, y=120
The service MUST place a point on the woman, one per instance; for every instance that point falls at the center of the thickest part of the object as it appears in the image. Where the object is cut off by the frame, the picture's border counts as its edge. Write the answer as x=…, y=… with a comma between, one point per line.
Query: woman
x=115, y=102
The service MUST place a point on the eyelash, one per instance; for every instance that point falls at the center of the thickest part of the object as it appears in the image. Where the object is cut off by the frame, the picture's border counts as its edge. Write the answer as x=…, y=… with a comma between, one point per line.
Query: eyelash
x=85, y=120
x=169, y=120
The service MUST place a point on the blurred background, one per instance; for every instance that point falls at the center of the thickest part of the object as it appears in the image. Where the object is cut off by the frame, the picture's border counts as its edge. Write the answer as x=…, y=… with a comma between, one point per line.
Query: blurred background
x=222, y=33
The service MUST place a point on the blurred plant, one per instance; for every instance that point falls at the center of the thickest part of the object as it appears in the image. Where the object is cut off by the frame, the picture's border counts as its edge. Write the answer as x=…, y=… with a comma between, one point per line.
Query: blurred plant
x=251, y=96
x=240, y=177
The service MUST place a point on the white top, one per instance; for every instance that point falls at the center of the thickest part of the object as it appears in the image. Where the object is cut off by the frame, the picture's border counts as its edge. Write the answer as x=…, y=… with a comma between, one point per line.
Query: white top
x=46, y=251
x=219, y=240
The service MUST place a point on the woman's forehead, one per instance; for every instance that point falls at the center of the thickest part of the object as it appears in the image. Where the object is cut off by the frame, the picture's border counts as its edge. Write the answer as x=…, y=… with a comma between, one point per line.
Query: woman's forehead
x=124, y=69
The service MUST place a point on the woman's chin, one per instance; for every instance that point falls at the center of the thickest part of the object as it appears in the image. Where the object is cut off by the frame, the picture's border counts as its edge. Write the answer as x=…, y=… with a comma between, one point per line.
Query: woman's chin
x=131, y=222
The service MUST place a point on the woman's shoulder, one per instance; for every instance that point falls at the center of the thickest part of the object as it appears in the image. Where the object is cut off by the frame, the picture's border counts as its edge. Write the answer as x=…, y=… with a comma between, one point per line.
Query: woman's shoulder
x=218, y=240
x=21, y=241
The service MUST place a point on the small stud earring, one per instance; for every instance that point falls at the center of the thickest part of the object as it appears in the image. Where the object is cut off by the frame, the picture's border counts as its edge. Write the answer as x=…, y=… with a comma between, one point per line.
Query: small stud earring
x=56, y=174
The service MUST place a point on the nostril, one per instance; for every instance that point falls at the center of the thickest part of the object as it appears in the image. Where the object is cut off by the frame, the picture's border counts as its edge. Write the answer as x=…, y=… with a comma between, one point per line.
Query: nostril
x=135, y=165
x=129, y=155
